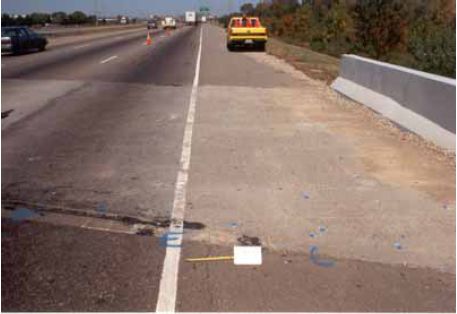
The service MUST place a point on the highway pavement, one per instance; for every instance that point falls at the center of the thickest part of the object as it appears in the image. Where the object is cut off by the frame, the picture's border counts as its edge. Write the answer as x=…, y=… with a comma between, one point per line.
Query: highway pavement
x=108, y=144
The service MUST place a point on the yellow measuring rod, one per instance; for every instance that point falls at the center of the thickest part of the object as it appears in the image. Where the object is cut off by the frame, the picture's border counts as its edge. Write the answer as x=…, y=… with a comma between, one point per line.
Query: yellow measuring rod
x=209, y=258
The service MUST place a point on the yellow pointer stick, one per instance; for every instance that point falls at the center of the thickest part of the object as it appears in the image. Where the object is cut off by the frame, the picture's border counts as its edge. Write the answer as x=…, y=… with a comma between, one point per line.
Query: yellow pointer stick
x=209, y=258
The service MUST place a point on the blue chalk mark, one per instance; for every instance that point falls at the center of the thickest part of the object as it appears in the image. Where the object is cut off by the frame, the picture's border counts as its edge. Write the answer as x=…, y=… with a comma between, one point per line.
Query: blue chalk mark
x=305, y=196
x=398, y=245
x=312, y=234
x=102, y=207
x=22, y=214
x=232, y=225
x=313, y=251
x=322, y=229
x=163, y=241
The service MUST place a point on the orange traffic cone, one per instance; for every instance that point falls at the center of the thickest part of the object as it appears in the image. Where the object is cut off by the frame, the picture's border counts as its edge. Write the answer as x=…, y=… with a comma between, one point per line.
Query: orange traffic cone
x=148, y=40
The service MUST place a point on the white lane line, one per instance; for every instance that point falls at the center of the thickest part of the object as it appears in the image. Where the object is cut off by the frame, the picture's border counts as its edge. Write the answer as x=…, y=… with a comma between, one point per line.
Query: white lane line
x=109, y=59
x=81, y=46
x=168, y=283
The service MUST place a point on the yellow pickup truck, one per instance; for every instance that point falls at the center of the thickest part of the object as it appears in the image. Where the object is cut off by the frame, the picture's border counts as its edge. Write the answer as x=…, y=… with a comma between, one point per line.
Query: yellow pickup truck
x=242, y=31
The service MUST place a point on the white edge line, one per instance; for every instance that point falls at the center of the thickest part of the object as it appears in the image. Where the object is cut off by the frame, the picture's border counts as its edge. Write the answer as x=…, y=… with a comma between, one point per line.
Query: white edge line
x=166, y=301
x=109, y=59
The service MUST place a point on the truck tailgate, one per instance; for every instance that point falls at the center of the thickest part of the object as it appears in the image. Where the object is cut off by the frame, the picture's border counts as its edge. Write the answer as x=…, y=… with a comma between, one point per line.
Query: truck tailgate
x=246, y=31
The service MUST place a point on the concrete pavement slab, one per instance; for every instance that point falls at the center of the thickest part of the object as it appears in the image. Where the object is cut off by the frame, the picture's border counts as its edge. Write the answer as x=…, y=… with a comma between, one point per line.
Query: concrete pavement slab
x=298, y=167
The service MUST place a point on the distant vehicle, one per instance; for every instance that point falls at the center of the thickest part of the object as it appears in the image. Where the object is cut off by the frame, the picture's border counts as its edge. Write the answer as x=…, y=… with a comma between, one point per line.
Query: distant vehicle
x=124, y=20
x=242, y=31
x=152, y=24
x=190, y=18
x=17, y=39
x=203, y=19
x=169, y=23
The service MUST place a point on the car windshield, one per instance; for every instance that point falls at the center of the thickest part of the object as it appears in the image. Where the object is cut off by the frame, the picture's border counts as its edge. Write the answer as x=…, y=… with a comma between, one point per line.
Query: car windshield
x=8, y=33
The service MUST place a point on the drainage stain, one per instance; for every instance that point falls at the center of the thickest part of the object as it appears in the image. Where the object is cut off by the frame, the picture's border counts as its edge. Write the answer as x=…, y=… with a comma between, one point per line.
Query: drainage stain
x=246, y=240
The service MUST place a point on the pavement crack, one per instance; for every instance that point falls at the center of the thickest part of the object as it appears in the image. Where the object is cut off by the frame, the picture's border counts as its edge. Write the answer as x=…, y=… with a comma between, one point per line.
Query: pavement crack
x=159, y=222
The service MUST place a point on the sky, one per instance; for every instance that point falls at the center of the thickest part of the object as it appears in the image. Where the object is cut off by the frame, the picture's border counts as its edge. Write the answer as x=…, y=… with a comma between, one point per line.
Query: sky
x=139, y=8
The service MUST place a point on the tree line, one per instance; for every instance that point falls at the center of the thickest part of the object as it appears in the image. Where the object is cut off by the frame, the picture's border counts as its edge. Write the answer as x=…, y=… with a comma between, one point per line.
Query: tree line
x=415, y=33
x=60, y=18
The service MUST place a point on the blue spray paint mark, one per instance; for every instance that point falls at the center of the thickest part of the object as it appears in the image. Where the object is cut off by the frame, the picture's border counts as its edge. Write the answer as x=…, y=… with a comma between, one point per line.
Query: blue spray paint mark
x=312, y=234
x=313, y=251
x=322, y=229
x=168, y=236
x=102, y=207
x=398, y=245
x=232, y=225
x=21, y=214
x=305, y=196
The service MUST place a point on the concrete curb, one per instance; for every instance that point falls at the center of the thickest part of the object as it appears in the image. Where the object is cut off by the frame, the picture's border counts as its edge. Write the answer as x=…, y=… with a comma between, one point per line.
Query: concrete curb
x=421, y=102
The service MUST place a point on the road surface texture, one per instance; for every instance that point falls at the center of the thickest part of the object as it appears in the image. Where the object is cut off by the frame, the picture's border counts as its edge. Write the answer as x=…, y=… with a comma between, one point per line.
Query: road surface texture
x=353, y=214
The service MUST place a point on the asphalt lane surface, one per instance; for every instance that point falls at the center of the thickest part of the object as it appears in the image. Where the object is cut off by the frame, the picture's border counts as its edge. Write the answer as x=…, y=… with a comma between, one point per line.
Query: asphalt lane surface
x=87, y=135
x=91, y=146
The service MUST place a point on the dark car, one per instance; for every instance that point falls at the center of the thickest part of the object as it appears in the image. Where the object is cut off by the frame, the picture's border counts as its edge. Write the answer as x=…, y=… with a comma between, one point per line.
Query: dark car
x=21, y=39
x=152, y=25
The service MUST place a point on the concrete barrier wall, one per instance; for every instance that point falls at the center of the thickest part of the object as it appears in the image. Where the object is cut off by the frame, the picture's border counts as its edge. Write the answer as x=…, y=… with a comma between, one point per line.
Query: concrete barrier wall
x=421, y=102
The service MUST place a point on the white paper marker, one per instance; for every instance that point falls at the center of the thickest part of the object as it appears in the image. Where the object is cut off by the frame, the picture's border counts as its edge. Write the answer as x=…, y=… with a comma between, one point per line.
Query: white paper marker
x=247, y=255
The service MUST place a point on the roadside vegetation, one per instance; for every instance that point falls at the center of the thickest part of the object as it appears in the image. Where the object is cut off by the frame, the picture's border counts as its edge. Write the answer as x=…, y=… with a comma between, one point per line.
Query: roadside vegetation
x=418, y=34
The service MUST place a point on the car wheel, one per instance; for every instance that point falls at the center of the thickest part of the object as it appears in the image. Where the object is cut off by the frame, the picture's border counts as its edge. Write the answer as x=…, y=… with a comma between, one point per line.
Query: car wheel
x=42, y=47
x=229, y=47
